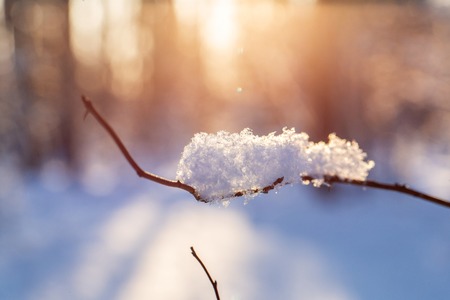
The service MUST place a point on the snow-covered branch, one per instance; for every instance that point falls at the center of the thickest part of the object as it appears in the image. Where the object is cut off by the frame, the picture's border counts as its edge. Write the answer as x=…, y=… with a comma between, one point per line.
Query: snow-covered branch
x=229, y=164
x=221, y=166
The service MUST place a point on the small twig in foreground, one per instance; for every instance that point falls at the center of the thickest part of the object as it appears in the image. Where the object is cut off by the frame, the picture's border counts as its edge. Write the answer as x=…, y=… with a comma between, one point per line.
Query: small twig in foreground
x=213, y=282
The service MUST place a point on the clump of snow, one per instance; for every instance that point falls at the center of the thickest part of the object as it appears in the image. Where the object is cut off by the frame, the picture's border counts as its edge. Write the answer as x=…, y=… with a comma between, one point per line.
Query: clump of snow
x=220, y=165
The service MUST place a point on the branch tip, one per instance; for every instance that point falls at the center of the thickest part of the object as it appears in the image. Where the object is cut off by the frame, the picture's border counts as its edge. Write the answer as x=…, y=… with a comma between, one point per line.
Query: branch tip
x=213, y=282
x=141, y=173
x=396, y=187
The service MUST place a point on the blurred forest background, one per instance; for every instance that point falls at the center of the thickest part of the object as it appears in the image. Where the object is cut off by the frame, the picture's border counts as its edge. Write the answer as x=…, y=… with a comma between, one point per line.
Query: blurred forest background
x=163, y=70
x=75, y=221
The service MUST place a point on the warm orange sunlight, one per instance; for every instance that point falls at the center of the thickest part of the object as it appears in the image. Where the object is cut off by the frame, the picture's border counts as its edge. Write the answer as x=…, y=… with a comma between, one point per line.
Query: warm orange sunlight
x=216, y=24
x=219, y=33
x=216, y=21
x=219, y=26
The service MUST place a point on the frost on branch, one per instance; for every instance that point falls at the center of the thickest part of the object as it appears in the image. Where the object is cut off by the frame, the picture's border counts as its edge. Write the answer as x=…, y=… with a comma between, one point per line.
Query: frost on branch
x=223, y=165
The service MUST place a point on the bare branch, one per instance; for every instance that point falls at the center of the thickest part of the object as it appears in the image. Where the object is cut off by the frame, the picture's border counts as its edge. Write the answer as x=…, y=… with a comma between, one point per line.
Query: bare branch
x=396, y=187
x=401, y=188
x=213, y=282
x=140, y=172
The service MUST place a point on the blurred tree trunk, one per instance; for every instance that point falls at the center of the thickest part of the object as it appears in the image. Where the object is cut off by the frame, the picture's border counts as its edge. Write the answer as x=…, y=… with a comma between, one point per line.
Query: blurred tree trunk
x=332, y=85
x=43, y=70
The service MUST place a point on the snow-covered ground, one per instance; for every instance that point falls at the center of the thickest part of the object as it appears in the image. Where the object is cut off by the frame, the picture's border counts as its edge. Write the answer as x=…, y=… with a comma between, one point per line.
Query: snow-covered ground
x=131, y=238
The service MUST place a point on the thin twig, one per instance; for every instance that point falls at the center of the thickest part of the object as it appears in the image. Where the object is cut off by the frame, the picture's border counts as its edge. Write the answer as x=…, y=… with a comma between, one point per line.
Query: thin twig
x=213, y=282
x=401, y=188
x=140, y=172
x=396, y=187
x=264, y=190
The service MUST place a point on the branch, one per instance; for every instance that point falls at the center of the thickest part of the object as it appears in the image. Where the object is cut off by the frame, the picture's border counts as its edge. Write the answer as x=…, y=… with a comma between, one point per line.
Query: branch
x=330, y=180
x=396, y=187
x=213, y=282
x=264, y=190
x=140, y=172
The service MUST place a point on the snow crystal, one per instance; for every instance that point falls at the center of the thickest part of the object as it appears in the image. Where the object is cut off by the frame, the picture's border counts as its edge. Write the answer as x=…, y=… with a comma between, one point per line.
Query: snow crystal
x=222, y=165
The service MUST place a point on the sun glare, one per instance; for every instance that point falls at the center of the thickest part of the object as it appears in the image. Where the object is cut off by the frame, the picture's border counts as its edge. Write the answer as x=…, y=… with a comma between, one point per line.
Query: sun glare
x=216, y=21
x=216, y=25
x=219, y=28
